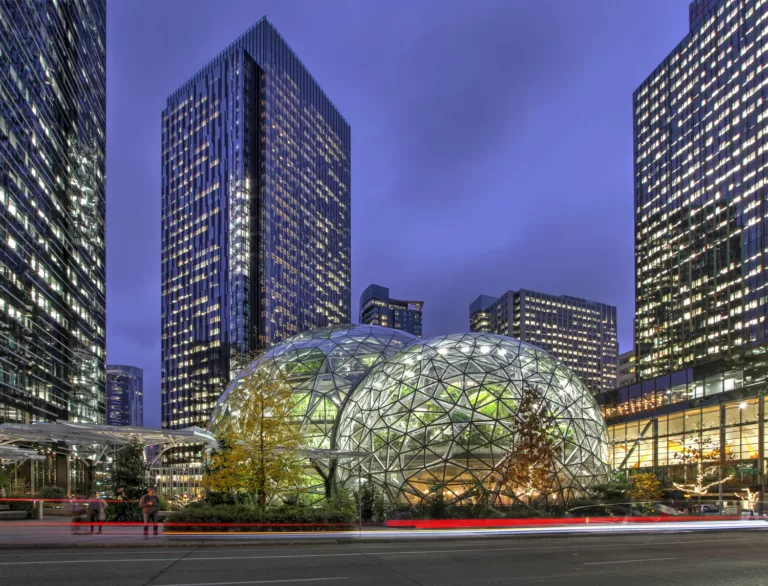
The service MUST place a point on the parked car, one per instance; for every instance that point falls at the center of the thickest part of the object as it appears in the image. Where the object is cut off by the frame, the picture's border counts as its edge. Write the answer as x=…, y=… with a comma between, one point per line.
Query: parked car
x=664, y=510
x=602, y=510
x=705, y=509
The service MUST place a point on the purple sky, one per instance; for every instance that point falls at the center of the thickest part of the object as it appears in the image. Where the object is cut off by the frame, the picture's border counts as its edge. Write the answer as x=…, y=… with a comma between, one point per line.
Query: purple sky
x=491, y=144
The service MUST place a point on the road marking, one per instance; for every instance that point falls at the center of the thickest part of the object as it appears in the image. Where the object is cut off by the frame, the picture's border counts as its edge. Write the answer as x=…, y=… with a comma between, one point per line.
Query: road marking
x=627, y=561
x=294, y=580
x=49, y=562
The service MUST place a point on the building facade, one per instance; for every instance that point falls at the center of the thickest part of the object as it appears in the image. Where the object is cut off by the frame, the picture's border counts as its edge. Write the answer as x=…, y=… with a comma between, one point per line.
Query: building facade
x=255, y=218
x=53, y=208
x=377, y=308
x=625, y=369
x=720, y=404
x=579, y=332
x=125, y=395
x=700, y=133
x=700, y=171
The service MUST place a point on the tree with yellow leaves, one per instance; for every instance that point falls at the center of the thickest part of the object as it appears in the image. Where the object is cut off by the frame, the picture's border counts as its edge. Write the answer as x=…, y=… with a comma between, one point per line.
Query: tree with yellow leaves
x=259, y=444
x=645, y=487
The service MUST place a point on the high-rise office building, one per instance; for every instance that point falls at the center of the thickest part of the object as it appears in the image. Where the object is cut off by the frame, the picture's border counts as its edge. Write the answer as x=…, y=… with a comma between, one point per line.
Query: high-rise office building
x=125, y=395
x=377, y=308
x=52, y=204
x=700, y=133
x=581, y=333
x=255, y=218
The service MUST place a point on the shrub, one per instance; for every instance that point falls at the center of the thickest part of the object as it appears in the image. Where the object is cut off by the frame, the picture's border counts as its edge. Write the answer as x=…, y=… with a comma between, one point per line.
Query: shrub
x=51, y=492
x=124, y=512
x=21, y=505
x=288, y=518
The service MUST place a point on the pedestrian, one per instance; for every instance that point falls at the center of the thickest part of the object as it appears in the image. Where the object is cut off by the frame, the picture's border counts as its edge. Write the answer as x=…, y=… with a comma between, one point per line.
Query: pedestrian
x=75, y=510
x=96, y=514
x=149, y=505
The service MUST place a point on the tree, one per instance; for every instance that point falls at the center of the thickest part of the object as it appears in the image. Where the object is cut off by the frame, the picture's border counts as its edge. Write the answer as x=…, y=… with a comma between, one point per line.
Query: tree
x=615, y=489
x=752, y=498
x=530, y=468
x=6, y=480
x=645, y=487
x=260, y=443
x=129, y=471
x=703, y=464
x=371, y=502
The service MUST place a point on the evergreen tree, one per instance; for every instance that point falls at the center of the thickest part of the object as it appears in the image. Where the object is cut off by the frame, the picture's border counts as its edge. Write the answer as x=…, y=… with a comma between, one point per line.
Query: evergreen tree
x=129, y=471
x=529, y=470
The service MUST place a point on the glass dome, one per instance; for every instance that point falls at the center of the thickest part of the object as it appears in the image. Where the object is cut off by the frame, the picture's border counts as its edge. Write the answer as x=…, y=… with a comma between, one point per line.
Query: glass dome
x=440, y=416
x=321, y=366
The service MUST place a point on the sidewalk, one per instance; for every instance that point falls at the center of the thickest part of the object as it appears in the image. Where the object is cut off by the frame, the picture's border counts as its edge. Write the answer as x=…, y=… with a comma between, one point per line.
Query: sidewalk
x=57, y=534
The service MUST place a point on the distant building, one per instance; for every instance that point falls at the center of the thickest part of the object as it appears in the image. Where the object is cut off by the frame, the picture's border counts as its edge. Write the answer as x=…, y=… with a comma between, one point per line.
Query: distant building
x=579, y=332
x=479, y=313
x=625, y=371
x=125, y=395
x=378, y=309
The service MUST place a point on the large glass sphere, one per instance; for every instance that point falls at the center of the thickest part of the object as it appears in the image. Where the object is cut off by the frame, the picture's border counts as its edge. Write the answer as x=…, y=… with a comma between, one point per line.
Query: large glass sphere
x=440, y=415
x=321, y=366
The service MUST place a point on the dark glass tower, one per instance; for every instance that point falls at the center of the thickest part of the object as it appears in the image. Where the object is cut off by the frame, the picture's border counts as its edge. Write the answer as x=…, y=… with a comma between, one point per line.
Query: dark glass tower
x=255, y=218
x=700, y=135
x=125, y=395
x=581, y=333
x=377, y=308
x=52, y=204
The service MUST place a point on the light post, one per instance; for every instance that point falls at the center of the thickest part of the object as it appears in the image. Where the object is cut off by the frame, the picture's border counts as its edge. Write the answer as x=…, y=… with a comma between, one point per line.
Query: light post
x=360, y=496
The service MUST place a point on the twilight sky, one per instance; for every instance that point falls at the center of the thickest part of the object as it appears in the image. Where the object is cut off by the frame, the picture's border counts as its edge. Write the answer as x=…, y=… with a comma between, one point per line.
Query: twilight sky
x=491, y=144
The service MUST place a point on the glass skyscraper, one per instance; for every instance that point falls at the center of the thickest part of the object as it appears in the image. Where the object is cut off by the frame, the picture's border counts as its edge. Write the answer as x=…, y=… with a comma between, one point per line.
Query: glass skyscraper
x=125, y=395
x=377, y=308
x=700, y=140
x=581, y=333
x=52, y=204
x=255, y=218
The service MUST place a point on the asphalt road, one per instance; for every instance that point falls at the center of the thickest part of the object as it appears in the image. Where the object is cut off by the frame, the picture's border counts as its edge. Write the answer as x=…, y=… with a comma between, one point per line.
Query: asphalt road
x=696, y=559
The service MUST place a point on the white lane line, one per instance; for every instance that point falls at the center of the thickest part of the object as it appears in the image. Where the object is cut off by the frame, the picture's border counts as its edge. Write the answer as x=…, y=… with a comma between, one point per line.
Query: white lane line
x=294, y=580
x=627, y=561
x=50, y=562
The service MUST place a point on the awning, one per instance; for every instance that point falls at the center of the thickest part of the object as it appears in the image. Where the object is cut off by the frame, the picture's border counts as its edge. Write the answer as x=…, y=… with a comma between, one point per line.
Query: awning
x=19, y=454
x=102, y=436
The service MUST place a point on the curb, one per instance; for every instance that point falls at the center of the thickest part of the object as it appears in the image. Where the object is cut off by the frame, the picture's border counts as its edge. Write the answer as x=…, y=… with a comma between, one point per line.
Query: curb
x=243, y=541
x=164, y=544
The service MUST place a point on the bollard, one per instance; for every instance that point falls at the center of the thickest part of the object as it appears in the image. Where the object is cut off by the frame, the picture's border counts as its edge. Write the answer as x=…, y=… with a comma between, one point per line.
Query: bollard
x=40, y=510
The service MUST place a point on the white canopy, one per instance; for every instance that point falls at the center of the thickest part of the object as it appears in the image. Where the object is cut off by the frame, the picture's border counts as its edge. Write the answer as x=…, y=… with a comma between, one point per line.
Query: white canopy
x=103, y=436
x=19, y=454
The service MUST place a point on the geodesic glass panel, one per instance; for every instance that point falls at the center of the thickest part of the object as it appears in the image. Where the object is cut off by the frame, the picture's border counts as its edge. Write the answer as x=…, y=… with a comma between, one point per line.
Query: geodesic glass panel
x=441, y=413
x=321, y=366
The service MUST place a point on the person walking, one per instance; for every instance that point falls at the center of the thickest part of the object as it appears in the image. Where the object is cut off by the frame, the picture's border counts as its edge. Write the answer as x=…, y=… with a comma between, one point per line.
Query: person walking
x=75, y=509
x=96, y=514
x=149, y=505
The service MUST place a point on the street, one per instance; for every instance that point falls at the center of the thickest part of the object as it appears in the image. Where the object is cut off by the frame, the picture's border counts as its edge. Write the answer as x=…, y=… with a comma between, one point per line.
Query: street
x=664, y=559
